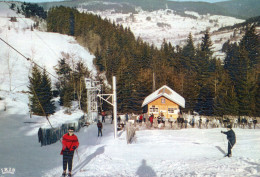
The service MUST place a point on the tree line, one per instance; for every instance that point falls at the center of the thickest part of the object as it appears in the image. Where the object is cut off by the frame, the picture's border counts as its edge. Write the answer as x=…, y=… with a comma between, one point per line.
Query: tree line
x=208, y=85
x=70, y=87
x=29, y=10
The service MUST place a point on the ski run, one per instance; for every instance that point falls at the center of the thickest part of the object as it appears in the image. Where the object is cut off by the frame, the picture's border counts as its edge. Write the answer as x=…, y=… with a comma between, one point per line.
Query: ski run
x=154, y=152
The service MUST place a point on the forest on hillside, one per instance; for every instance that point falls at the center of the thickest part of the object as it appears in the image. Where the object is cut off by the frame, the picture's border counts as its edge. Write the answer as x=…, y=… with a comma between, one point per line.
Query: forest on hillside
x=208, y=86
x=250, y=8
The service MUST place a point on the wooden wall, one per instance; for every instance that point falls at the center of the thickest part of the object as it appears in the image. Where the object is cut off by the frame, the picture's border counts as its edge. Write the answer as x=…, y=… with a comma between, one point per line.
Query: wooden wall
x=163, y=107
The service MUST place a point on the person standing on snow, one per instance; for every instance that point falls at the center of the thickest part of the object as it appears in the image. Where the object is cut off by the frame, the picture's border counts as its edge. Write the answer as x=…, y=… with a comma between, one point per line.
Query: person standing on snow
x=103, y=114
x=99, y=126
x=200, y=122
x=255, y=122
x=69, y=144
x=126, y=117
x=151, y=119
x=231, y=136
x=192, y=121
x=141, y=119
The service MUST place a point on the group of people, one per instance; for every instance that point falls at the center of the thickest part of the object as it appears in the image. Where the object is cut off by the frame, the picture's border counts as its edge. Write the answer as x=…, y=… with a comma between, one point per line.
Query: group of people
x=70, y=141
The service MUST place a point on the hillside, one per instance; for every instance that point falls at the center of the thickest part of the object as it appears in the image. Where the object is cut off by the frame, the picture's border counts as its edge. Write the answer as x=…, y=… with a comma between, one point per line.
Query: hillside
x=241, y=8
x=43, y=48
x=250, y=8
x=172, y=27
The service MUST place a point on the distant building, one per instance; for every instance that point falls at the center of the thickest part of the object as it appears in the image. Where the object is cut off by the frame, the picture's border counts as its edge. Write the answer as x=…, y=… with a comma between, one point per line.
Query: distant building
x=164, y=101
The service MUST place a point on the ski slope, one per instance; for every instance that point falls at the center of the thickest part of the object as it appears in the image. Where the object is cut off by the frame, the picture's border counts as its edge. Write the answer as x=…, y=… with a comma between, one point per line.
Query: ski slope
x=190, y=152
x=44, y=48
x=185, y=152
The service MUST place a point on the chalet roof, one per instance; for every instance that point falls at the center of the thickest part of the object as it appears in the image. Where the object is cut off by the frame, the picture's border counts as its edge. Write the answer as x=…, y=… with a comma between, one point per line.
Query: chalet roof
x=166, y=92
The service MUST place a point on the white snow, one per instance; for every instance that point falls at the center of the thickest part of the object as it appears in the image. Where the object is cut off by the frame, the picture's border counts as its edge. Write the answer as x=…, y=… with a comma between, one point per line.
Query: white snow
x=42, y=47
x=185, y=152
x=166, y=24
x=170, y=152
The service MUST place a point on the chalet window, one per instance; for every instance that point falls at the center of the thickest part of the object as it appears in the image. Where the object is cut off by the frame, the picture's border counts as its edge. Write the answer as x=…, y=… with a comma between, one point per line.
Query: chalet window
x=153, y=109
x=171, y=110
x=163, y=100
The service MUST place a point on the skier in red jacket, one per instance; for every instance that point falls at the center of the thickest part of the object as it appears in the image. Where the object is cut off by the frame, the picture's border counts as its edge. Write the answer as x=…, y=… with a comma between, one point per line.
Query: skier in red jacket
x=100, y=126
x=69, y=144
x=151, y=119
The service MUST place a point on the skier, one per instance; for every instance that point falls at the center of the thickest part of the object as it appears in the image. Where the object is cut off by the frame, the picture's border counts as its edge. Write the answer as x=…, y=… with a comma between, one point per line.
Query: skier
x=141, y=119
x=255, y=122
x=231, y=136
x=200, y=122
x=235, y=123
x=103, y=116
x=207, y=122
x=186, y=123
x=40, y=136
x=250, y=122
x=126, y=117
x=192, y=121
x=163, y=120
x=69, y=144
x=100, y=126
x=151, y=119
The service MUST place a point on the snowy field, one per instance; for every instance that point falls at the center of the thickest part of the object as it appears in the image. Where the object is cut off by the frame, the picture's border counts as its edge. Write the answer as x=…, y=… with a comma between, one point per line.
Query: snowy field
x=185, y=152
x=190, y=152
x=169, y=26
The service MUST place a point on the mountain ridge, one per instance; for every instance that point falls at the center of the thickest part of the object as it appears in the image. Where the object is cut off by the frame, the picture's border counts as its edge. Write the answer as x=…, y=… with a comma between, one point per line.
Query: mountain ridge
x=233, y=8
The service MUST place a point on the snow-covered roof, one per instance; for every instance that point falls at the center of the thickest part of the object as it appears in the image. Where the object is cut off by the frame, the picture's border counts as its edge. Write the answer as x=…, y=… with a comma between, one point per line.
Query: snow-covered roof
x=166, y=92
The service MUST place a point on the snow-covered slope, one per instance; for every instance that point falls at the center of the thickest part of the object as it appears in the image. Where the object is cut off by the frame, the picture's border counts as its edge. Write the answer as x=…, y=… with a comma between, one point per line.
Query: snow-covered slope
x=154, y=27
x=42, y=47
x=188, y=152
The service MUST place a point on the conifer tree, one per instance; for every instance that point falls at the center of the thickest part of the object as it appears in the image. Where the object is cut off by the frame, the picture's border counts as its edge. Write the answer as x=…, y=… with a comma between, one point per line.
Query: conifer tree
x=225, y=101
x=63, y=71
x=206, y=45
x=242, y=84
x=46, y=94
x=206, y=94
x=67, y=96
x=188, y=53
x=123, y=85
x=251, y=43
x=35, y=91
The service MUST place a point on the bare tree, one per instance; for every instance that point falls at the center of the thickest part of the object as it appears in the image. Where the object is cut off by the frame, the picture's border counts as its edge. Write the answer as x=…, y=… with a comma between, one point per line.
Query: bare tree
x=11, y=62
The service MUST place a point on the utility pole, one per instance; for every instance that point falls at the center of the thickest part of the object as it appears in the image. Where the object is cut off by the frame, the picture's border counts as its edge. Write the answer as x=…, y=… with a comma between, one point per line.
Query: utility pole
x=113, y=103
x=115, y=106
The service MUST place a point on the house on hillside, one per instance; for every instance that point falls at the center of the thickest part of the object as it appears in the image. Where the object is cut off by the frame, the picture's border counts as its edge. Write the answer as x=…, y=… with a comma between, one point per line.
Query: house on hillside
x=164, y=101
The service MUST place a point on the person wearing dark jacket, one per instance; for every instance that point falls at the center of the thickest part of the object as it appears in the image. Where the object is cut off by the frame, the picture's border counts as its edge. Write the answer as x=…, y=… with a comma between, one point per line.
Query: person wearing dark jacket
x=255, y=122
x=69, y=144
x=99, y=126
x=40, y=136
x=231, y=137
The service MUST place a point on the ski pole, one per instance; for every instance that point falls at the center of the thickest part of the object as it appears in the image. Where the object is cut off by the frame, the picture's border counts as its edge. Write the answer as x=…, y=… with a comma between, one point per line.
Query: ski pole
x=77, y=154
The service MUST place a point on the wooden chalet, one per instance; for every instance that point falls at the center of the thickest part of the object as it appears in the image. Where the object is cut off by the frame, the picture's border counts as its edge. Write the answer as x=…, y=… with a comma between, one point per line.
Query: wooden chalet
x=164, y=101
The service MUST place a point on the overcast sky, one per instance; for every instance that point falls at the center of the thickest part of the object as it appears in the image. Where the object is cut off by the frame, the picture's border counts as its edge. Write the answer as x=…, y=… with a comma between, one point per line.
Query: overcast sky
x=212, y=1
